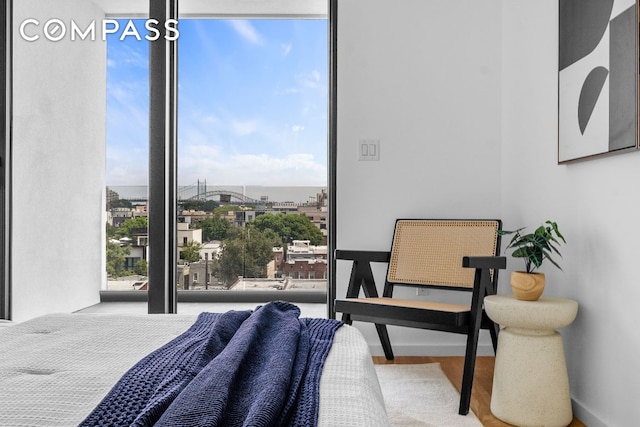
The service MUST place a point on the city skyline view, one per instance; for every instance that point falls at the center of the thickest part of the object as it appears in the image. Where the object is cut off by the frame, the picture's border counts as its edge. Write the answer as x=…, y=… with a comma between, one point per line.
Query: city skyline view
x=252, y=104
x=295, y=194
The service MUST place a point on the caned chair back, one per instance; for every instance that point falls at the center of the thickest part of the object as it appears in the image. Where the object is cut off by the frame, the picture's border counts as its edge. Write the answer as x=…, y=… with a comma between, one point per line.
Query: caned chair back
x=429, y=252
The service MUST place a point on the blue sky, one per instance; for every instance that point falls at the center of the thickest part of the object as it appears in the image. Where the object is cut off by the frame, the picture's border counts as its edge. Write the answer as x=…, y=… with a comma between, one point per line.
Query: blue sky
x=252, y=104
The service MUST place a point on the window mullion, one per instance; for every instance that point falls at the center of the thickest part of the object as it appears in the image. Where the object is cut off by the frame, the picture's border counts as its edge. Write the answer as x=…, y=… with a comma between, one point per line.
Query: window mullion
x=162, y=163
x=5, y=159
x=333, y=149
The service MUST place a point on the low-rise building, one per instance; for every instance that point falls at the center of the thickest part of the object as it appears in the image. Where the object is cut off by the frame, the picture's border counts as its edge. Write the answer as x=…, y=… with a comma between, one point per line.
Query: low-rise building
x=186, y=235
x=305, y=261
x=193, y=217
x=120, y=215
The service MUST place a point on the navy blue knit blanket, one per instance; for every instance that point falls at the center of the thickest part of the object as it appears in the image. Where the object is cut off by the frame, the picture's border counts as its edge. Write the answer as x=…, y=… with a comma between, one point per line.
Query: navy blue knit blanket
x=240, y=368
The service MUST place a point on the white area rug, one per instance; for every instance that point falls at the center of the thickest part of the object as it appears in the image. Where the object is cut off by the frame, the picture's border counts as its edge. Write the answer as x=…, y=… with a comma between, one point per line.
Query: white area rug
x=421, y=395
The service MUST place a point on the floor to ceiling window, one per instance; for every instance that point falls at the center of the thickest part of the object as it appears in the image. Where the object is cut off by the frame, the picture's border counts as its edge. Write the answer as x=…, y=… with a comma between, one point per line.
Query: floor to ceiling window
x=69, y=106
x=252, y=162
x=5, y=161
x=252, y=156
x=127, y=157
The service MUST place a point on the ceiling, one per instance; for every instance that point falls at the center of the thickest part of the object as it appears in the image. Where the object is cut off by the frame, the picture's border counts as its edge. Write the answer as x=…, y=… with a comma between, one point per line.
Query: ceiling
x=222, y=8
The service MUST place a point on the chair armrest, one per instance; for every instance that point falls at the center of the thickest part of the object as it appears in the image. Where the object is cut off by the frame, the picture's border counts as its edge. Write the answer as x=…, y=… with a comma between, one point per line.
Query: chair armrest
x=361, y=274
x=495, y=262
x=371, y=256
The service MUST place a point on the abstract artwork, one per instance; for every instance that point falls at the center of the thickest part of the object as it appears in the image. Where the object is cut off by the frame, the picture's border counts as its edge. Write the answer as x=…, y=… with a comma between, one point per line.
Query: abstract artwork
x=597, y=78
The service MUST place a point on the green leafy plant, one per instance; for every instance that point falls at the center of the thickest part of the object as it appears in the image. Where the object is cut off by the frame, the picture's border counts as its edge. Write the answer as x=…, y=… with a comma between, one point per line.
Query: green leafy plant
x=535, y=247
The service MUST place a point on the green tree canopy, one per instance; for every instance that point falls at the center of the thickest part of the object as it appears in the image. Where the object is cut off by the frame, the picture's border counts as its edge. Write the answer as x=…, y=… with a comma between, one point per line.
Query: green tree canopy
x=222, y=210
x=128, y=226
x=119, y=203
x=200, y=205
x=116, y=255
x=246, y=252
x=214, y=228
x=141, y=267
x=110, y=230
x=289, y=227
x=191, y=251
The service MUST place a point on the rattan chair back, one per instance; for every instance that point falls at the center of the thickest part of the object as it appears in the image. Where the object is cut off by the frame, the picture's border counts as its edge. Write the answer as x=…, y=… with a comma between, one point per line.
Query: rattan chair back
x=429, y=252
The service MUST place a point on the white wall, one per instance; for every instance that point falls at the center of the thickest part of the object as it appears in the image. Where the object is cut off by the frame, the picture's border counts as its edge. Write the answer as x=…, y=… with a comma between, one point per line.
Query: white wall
x=597, y=206
x=58, y=164
x=423, y=78
x=449, y=87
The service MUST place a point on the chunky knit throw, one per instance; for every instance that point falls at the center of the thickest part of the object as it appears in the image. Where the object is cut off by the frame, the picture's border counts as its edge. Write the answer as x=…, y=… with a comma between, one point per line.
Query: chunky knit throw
x=240, y=368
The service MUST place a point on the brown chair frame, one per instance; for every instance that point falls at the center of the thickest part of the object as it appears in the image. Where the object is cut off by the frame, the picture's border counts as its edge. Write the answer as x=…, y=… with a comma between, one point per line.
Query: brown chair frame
x=457, y=255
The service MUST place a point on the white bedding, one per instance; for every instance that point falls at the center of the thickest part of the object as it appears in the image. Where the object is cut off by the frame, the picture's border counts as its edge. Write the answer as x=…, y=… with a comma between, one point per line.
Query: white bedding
x=55, y=369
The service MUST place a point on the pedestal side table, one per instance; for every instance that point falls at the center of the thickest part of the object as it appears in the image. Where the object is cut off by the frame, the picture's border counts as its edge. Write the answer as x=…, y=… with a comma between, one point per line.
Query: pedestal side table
x=530, y=380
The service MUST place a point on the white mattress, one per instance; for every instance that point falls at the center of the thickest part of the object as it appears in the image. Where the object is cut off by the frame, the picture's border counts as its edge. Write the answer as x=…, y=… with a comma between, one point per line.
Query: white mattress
x=55, y=369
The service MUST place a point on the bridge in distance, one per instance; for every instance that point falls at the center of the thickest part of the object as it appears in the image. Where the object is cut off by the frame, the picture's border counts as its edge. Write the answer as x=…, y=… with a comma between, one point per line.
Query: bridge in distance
x=223, y=196
x=236, y=194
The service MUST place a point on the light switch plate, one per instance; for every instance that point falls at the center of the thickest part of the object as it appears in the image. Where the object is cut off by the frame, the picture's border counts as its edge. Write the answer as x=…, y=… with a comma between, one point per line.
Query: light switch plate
x=369, y=150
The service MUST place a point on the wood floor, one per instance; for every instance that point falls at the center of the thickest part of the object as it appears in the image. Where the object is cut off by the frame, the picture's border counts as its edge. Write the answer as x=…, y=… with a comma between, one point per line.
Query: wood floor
x=482, y=382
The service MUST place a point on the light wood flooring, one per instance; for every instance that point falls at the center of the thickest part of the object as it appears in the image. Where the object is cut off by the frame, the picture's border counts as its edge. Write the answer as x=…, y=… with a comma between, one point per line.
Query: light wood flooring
x=482, y=382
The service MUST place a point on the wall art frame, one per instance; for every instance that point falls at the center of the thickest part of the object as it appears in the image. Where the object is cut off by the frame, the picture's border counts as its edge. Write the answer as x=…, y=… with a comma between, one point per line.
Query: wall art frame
x=597, y=78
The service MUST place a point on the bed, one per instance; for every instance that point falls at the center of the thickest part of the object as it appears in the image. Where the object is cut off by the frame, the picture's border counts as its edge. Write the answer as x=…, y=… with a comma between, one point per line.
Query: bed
x=57, y=369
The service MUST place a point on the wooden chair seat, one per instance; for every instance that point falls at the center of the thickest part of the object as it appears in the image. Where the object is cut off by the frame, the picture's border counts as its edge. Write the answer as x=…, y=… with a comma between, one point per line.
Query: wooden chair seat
x=404, y=312
x=455, y=255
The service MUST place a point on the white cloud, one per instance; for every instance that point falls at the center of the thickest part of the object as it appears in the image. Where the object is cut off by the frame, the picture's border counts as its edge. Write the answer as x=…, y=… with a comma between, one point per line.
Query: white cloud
x=127, y=165
x=220, y=167
x=286, y=48
x=310, y=80
x=297, y=128
x=202, y=150
x=129, y=107
x=247, y=31
x=128, y=55
x=210, y=119
x=125, y=175
x=244, y=127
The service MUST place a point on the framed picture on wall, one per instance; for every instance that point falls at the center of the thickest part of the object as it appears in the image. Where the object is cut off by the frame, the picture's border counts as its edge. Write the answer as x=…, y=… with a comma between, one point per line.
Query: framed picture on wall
x=597, y=78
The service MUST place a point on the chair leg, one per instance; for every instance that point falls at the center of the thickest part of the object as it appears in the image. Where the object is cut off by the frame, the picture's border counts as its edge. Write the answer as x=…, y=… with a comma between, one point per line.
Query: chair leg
x=346, y=318
x=469, y=368
x=384, y=340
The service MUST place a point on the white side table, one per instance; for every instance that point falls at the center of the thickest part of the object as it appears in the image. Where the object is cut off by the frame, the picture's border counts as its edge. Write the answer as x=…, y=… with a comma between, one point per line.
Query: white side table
x=530, y=380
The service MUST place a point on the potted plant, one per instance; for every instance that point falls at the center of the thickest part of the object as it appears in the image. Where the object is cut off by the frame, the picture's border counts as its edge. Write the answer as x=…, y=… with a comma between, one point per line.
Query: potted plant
x=533, y=248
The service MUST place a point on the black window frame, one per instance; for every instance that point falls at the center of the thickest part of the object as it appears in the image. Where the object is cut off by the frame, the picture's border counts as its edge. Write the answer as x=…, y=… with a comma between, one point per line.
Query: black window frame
x=5, y=158
x=163, y=294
